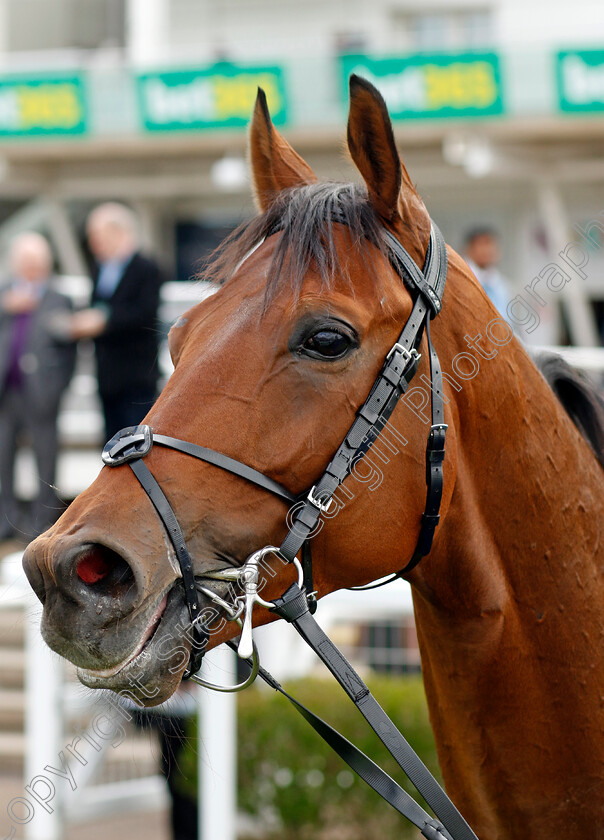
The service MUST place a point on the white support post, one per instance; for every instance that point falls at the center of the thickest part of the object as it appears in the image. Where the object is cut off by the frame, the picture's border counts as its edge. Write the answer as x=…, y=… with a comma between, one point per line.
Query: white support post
x=148, y=24
x=216, y=749
x=71, y=258
x=43, y=730
x=581, y=319
x=149, y=225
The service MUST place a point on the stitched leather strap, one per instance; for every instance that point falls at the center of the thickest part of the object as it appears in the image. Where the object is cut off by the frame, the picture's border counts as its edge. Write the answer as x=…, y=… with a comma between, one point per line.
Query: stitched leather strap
x=136, y=442
x=435, y=455
x=309, y=587
x=362, y=765
x=425, y=282
x=392, y=382
x=292, y=607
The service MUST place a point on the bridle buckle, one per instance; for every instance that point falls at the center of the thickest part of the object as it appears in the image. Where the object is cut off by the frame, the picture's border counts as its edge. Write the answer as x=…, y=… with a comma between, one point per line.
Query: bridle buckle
x=324, y=507
x=406, y=354
x=128, y=444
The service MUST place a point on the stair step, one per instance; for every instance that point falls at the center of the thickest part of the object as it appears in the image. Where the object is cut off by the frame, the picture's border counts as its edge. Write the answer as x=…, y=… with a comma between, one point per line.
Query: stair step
x=12, y=667
x=12, y=709
x=12, y=628
x=12, y=752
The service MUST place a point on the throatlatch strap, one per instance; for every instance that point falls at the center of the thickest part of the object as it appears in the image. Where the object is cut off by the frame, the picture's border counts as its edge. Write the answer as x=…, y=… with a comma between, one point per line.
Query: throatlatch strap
x=292, y=607
x=435, y=455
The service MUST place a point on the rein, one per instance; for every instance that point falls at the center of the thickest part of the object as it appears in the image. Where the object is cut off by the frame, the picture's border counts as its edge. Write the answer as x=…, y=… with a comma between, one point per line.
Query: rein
x=297, y=605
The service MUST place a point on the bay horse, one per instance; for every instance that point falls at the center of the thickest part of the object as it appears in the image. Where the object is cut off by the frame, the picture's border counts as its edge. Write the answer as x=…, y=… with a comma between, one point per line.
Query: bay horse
x=270, y=370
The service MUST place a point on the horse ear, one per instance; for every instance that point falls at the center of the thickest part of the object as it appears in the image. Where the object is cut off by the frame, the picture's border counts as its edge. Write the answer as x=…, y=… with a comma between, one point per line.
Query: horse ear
x=275, y=165
x=372, y=147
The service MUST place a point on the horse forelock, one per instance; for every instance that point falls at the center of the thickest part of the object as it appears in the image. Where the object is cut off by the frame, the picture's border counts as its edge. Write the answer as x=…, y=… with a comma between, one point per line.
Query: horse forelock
x=306, y=218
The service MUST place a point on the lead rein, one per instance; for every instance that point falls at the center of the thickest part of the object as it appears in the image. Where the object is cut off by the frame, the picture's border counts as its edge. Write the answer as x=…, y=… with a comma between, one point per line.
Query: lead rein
x=293, y=607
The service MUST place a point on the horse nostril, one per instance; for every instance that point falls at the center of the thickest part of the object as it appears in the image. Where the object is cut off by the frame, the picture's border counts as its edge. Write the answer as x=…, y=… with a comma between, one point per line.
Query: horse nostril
x=93, y=567
x=104, y=570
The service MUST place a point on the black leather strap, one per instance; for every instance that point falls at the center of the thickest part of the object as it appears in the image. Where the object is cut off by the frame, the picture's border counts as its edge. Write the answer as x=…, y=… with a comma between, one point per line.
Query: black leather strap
x=425, y=282
x=292, y=608
x=167, y=516
x=363, y=766
x=309, y=587
x=396, y=374
x=435, y=455
x=199, y=637
x=393, y=380
x=218, y=459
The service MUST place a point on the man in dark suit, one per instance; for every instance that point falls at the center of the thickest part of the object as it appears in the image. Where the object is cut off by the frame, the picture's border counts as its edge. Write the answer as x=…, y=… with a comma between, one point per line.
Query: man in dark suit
x=36, y=364
x=122, y=318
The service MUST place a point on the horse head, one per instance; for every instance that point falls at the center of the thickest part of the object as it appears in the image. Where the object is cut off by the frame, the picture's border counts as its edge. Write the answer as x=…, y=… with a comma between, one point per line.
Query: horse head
x=269, y=371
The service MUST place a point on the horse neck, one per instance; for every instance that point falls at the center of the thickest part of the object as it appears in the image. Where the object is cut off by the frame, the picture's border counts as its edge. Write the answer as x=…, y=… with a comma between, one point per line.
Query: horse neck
x=527, y=482
x=509, y=604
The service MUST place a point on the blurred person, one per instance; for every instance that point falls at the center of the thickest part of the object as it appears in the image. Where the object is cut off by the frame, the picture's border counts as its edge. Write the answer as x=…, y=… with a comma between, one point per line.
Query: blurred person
x=36, y=364
x=122, y=318
x=483, y=254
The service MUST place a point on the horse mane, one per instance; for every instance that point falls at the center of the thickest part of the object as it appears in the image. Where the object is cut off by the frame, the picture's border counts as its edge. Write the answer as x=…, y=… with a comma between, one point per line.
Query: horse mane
x=306, y=216
x=579, y=398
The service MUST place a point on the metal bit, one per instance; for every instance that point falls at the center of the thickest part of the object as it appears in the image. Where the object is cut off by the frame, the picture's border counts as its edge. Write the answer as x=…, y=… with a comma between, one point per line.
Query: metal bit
x=247, y=577
x=249, y=581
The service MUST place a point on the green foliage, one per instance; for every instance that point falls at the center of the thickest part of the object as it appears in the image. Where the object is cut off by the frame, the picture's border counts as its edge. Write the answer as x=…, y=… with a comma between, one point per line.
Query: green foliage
x=292, y=781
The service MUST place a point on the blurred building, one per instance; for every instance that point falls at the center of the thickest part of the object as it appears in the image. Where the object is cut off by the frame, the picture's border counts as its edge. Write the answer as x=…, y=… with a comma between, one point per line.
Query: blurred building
x=498, y=110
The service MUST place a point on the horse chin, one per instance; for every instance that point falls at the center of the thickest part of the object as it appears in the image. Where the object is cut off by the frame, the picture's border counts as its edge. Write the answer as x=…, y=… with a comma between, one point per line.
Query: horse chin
x=152, y=671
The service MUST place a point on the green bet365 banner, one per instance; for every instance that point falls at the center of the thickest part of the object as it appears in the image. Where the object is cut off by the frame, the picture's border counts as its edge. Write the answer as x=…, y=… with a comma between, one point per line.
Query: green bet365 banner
x=38, y=106
x=580, y=76
x=221, y=96
x=424, y=86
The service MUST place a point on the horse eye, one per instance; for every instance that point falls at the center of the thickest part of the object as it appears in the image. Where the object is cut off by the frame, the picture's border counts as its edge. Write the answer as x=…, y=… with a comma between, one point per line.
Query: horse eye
x=327, y=344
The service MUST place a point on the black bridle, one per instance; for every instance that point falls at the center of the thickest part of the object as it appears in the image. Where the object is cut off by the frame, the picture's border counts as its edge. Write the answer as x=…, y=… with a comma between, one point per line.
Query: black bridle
x=132, y=444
